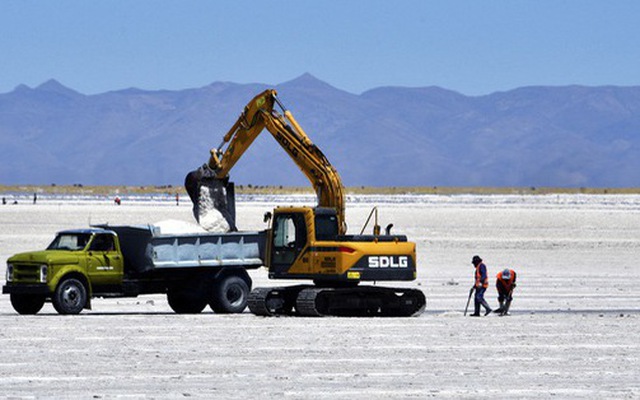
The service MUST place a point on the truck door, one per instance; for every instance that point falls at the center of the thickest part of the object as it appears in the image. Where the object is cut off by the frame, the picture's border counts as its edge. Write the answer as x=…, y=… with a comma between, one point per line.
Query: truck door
x=289, y=240
x=104, y=261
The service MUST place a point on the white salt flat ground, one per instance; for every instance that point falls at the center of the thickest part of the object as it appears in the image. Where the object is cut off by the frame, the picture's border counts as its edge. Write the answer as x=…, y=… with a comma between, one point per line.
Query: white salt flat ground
x=573, y=332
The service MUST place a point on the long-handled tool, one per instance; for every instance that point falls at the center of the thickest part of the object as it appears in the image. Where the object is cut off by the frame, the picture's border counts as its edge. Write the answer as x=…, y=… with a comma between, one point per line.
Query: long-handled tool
x=469, y=300
x=505, y=310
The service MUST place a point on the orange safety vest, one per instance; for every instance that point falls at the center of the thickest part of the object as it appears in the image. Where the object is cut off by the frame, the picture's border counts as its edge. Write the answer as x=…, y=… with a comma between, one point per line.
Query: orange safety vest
x=506, y=283
x=479, y=281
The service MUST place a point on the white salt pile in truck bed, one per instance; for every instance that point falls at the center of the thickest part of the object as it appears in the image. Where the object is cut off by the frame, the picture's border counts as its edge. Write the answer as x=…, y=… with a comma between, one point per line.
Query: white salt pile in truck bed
x=176, y=227
x=211, y=220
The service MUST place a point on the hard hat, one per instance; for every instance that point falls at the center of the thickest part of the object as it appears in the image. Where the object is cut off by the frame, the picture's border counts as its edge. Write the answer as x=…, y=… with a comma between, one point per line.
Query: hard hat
x=506, y=274
x=475, y=260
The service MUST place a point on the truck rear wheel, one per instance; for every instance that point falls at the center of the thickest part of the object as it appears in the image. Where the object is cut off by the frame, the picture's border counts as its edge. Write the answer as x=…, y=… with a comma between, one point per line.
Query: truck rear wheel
x=26, y=304
x=186, y=302
x=230, y=295
x=70, y=296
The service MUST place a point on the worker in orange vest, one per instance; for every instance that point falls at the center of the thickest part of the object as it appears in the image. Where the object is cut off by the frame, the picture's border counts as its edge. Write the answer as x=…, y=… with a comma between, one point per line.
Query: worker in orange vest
x=480, y=286
x=505, y=283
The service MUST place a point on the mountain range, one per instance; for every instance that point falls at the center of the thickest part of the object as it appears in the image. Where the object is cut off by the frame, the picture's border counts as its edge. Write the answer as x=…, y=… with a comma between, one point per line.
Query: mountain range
x=568, y=136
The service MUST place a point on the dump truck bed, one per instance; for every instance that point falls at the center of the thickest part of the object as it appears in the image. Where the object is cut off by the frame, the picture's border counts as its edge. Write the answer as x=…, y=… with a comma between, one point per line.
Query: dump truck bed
x=219, y=250
x=145, y=249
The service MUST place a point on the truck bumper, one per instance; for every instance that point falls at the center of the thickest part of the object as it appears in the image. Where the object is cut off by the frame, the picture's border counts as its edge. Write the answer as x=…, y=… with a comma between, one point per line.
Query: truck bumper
x=26, y=289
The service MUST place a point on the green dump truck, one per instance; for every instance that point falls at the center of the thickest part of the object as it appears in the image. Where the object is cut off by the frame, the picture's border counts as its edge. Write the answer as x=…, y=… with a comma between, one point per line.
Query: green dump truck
x=126, y=261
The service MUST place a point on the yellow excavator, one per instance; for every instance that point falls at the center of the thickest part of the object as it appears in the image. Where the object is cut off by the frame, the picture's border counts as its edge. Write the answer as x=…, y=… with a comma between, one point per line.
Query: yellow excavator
x=309, y=243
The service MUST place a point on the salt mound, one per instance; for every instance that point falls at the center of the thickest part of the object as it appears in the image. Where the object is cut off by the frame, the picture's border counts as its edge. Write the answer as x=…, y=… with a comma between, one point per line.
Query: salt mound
x=211, y=219
x=175, y=227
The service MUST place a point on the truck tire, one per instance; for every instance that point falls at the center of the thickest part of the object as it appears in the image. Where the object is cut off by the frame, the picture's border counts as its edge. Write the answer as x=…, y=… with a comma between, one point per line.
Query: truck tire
x=27, y=304
x=183, y=301
x=230, y=295
x=70, y=296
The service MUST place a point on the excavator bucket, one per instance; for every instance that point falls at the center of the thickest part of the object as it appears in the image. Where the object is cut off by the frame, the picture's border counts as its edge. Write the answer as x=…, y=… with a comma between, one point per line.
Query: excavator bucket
x=213, y=200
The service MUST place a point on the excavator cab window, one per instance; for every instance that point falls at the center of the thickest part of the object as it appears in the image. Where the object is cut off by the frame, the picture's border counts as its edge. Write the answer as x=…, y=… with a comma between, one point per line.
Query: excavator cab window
x=326, y=226
x=289, y=238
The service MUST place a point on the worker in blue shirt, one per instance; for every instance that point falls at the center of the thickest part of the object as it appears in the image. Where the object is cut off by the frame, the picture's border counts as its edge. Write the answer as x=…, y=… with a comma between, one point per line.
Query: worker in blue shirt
x=480, y=286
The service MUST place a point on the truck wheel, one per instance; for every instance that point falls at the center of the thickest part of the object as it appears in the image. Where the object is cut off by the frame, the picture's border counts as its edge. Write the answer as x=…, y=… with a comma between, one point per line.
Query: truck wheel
x=230, y=295
x=26, y=304
x=70, y=297
x=185, y=302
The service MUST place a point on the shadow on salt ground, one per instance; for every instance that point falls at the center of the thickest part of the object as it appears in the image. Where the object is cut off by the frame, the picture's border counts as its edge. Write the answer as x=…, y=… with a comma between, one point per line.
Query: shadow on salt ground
x=609, y=311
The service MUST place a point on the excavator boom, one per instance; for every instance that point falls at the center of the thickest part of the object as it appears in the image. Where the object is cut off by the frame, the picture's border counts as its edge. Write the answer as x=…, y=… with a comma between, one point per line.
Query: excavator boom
x=260, y=114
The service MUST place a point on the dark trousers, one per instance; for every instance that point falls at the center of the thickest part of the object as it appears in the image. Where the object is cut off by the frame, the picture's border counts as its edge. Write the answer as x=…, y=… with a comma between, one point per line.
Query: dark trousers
x=480, y=301
x=503, y=294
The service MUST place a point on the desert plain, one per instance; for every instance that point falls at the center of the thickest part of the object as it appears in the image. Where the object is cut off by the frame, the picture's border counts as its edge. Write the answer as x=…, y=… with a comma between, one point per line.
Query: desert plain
x=572, y=332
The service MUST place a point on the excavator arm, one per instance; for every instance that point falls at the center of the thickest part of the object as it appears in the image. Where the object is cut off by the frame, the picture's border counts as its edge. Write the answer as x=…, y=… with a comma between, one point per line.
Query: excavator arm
x=260, y=114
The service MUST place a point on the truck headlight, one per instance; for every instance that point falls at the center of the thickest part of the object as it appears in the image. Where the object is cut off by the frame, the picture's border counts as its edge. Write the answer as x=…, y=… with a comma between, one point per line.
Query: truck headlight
x=43, y=273
x=9, y=272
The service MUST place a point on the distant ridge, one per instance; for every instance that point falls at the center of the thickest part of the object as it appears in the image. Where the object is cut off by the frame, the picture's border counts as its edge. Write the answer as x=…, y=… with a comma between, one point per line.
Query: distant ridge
x=570, y=136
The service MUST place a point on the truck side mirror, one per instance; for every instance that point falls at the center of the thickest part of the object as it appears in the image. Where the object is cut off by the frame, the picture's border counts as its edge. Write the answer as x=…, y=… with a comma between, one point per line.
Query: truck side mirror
x=267, y=217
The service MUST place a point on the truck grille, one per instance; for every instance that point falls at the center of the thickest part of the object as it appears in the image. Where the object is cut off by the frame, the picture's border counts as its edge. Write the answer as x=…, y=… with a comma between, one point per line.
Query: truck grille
x=26, y=273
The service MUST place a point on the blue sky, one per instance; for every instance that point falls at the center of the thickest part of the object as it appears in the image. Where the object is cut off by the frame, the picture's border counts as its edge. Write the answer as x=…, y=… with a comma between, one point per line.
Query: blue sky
x=474, y=47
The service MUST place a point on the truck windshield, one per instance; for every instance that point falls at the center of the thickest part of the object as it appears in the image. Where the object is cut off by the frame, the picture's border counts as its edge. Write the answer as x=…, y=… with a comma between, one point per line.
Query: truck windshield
x=70, y=241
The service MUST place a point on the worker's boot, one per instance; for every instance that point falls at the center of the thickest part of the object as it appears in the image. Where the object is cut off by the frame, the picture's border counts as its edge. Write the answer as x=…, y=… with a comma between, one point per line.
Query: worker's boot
x=476, y=309
x=501, y=308
x=487, y=309
x=505, y=311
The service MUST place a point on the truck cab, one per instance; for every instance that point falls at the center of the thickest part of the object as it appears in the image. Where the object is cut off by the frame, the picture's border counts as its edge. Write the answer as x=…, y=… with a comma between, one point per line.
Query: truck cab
x=98, y=250
x=76, y=263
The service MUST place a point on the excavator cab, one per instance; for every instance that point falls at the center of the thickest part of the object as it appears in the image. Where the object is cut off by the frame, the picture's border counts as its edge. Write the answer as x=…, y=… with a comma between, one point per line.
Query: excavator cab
x=295, y=234
x=289, y=239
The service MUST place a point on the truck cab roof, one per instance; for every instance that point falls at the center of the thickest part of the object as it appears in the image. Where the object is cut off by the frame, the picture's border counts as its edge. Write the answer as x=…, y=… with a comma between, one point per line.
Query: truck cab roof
x=89, y=231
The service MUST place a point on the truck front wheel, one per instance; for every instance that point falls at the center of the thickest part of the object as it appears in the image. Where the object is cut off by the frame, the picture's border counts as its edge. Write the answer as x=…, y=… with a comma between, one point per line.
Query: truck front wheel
x=27, y=304
x=230, y=295
x=70, y=297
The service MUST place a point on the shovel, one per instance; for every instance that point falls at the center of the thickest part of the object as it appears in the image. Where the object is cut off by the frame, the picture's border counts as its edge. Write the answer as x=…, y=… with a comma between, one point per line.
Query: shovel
x=469, y=300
